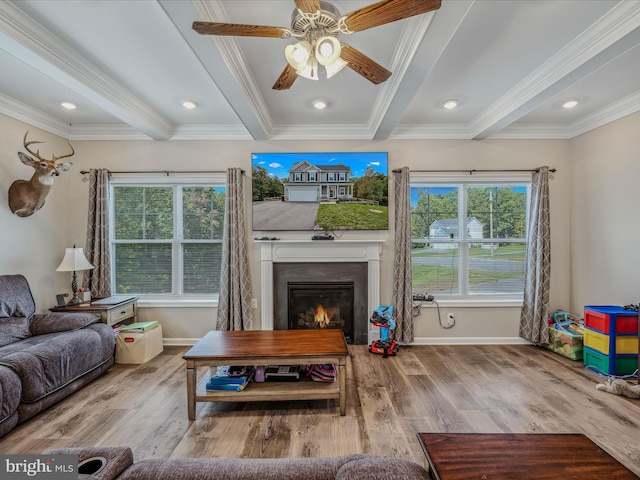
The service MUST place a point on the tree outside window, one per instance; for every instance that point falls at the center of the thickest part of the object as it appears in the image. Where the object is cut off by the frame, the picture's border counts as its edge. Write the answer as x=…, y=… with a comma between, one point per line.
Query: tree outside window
x=167, y=239
x=468, y=239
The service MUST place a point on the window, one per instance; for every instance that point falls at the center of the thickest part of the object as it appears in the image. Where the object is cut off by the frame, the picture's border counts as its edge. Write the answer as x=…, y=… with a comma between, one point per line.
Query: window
x=342, y=177
x=331, y=177
x=166, y=237
x=312, y=176
x=469, y=238
x=297, y=177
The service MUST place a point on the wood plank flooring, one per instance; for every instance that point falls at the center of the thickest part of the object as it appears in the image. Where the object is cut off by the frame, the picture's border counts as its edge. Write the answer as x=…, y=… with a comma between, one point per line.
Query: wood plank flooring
x=493, y=388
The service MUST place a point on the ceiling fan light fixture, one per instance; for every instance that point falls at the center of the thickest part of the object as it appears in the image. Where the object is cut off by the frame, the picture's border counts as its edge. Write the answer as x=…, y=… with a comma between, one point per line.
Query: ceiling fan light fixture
x=335, y=67
x=298, y=55
x=328, y=50
x=309, y=71
x=450, y=104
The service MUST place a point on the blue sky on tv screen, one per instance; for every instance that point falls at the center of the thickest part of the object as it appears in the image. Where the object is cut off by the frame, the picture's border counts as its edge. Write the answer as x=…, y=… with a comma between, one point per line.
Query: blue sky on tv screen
x=415, y=191
x=279, y=164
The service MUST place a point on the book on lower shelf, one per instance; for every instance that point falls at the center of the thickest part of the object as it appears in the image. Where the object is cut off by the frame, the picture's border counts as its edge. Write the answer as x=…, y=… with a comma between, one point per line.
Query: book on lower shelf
x=139, y=326
x=227, y=379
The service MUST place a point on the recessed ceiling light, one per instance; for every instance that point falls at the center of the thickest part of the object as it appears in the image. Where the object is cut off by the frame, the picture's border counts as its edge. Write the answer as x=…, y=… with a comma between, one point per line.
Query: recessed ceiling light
x=570, y=104
x=319, y=104
x=68, y=105
x=189, y=105
x=450, y=104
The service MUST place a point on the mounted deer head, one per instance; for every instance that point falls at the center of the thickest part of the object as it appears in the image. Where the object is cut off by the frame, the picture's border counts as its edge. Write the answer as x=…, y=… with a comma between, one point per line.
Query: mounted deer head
x=27, y=196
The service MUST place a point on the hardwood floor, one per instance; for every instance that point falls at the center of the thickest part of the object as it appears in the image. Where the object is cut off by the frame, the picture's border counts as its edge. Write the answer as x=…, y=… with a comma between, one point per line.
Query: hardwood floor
x=517, y=389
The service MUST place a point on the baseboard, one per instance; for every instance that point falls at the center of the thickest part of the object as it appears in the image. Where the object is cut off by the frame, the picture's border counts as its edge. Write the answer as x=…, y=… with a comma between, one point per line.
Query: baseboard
x=179, y=342
x=470, y=341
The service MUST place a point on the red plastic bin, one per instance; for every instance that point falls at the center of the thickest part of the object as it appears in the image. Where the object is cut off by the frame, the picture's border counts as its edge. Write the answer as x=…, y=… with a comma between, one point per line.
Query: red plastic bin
x=610, y=319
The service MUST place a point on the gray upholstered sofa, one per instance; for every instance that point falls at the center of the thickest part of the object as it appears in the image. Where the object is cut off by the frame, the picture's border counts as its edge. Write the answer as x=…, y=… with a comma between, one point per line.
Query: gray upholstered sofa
x=44, y=357
x=116, y=463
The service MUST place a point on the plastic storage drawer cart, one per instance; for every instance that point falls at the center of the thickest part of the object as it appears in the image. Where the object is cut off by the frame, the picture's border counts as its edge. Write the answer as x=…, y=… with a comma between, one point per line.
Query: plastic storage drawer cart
x=610, y=339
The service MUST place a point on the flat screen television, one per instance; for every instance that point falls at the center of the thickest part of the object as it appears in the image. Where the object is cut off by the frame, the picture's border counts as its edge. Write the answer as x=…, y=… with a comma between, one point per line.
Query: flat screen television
x=320, y=191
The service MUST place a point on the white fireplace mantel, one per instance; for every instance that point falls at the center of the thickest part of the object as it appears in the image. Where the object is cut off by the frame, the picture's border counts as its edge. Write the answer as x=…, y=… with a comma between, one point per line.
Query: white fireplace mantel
x=298, y=251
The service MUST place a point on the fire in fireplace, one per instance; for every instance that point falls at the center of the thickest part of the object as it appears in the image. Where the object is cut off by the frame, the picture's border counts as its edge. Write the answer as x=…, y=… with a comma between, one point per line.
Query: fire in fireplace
x=321, y=305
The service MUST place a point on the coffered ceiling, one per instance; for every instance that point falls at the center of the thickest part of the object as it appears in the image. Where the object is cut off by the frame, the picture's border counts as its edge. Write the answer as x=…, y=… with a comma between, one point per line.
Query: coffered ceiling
x=129, y=65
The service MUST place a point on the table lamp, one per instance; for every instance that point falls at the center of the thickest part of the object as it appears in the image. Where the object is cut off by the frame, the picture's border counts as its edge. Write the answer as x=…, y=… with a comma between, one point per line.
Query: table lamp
x=74, y=260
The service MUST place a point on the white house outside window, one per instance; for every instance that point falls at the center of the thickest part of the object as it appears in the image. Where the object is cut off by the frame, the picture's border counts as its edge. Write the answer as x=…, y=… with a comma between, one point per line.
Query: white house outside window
x=166, y=236
x=312, y=176
x=297, y=177
x=469, y=237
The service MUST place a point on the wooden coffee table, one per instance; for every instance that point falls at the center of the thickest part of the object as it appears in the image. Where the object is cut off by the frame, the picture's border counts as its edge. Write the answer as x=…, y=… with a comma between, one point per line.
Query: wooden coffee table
x=530, y=456
x=267, y=347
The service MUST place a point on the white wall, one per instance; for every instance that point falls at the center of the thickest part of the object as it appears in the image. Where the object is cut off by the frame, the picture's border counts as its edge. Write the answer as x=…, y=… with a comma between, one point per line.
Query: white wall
x=34, y=246
x=605, y=257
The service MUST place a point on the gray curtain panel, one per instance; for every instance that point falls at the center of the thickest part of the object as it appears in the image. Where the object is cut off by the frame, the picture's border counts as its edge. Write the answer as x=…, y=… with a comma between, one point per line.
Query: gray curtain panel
x=234, y=305
x=97, y=248
x=402, y=285
x=534, y=318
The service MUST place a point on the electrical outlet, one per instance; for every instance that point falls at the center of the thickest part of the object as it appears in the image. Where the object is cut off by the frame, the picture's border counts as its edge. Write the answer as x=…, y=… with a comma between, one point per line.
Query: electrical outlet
x=254, y=303
x=451, y=319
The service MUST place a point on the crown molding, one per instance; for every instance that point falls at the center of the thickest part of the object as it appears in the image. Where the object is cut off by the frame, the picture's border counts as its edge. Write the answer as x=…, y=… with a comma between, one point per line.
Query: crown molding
x=24, y=113
x=626, y=106
x=36, y=46
x=595, y=47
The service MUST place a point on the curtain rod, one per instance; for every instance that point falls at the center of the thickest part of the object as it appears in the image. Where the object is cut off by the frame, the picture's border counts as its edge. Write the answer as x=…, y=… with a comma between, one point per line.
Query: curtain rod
x=473, y=170
x=166, y=172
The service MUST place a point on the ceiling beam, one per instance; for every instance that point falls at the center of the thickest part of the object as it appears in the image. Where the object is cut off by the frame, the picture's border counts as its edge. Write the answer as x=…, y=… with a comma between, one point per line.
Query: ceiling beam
x=437, y=30
x=611, y=36
x=31, y=43
x=235, y=81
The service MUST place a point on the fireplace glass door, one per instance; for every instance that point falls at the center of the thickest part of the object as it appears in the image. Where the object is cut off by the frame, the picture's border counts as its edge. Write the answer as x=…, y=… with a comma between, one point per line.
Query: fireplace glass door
x=321, y=305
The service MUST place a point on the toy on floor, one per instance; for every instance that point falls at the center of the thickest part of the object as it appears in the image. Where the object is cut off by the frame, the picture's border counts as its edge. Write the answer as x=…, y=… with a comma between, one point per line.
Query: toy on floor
x=383, y=317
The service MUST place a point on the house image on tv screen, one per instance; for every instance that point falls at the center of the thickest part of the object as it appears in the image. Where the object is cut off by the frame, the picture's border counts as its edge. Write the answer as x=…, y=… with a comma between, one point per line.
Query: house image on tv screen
x=318, y=183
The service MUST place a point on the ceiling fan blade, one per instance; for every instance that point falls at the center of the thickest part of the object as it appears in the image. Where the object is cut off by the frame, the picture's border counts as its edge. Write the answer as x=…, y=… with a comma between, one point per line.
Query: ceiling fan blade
x=240, y=30
x=286, y=78
x=309, y=6
x=365, y=66
x=388, y=11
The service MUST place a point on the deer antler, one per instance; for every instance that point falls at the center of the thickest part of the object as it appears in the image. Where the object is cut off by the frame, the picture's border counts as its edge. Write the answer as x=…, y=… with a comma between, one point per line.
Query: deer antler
x=67, y=155
x=37, y=152
x=26, y=146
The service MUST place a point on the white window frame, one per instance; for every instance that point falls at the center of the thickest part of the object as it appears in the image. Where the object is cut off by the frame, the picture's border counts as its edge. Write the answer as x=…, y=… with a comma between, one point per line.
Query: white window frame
x=312, y=176
x=460, y=180
x=175, y=299
x=297, y=177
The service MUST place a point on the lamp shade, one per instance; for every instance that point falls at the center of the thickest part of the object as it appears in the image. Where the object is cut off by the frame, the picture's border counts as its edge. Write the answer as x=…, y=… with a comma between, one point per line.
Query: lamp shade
x=74, y=260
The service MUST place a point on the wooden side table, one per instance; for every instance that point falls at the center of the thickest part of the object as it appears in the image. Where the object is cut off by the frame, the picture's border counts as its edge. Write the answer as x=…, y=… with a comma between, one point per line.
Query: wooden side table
x=112, y=310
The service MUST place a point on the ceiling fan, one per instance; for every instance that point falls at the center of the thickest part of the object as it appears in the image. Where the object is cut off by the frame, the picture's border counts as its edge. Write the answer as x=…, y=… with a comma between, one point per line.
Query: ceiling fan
x=316, y=24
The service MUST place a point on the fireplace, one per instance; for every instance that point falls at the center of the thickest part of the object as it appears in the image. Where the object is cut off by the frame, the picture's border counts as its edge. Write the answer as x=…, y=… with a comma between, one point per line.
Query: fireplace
x=322, y=295
x=309, y=254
